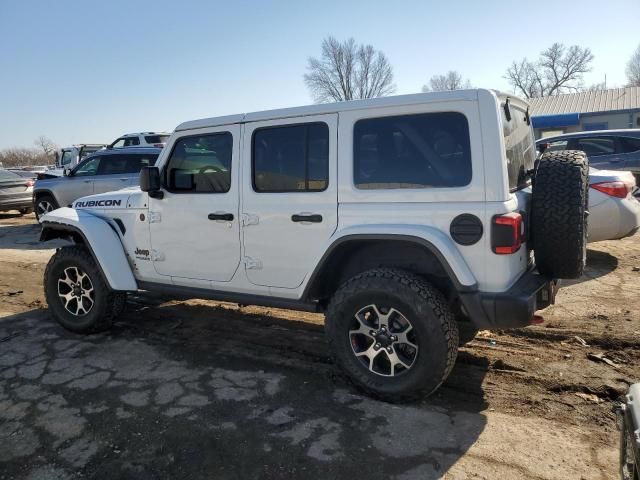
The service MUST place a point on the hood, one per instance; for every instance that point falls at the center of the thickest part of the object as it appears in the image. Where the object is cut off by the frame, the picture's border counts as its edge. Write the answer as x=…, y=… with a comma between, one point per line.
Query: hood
x=120, y=199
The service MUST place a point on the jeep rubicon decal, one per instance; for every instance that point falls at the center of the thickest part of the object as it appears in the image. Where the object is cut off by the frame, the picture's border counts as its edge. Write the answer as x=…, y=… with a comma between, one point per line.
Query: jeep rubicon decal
x=97, y=203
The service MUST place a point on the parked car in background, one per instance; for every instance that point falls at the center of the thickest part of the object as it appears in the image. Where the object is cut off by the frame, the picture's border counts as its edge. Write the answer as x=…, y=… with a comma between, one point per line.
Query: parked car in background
x=614, y=212
x=15, y=192
x=69, y=157
x=143, y=139
x=24, y=173
x=104, y=171
x=606, y=149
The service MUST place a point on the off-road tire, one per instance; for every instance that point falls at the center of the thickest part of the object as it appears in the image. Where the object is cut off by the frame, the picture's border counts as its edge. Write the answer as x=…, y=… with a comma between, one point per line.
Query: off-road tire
x=467, y=331
x=427, y=310
x=119, y=303
x=559, y=213
x=100, y=316
x=44, y=198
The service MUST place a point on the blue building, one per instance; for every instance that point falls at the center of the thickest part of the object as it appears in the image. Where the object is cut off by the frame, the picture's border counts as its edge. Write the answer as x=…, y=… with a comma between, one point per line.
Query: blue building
x=589, y=110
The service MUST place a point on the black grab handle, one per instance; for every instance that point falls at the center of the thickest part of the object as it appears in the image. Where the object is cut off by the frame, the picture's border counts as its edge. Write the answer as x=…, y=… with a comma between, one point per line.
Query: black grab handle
x=315, y=218
x=221, y=216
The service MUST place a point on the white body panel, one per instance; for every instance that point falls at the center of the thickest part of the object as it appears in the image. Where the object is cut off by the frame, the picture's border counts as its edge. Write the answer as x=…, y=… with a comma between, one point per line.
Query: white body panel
x=104, y=242
x=185, y=248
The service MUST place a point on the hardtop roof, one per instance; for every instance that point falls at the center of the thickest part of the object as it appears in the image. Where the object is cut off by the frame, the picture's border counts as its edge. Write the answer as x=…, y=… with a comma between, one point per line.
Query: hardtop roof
x=327, y=108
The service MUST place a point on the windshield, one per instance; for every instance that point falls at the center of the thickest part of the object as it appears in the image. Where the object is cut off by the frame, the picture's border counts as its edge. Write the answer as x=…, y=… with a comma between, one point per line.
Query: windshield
x=519, y=145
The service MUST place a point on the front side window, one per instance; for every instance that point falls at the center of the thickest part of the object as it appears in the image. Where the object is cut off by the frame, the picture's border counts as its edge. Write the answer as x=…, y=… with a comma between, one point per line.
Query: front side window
x=88, y=167
x=596, y=146
x=557, y=145
x=118, y=143
x=292, y=158
x=131, y=141
x=200, y=164
x=412, y=151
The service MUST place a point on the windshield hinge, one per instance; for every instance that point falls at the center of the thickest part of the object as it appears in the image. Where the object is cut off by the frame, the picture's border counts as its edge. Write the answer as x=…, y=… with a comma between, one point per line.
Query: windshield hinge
x=250, y=219
x=252, y=263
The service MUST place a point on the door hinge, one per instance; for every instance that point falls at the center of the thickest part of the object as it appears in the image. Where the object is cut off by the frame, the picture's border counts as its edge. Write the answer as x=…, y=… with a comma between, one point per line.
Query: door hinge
x=155, y=217
x=250, y=219
x=252, y=263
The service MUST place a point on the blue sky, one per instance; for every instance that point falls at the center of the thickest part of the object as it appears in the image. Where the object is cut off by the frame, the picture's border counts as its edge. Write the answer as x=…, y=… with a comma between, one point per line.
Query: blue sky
x=88, y=71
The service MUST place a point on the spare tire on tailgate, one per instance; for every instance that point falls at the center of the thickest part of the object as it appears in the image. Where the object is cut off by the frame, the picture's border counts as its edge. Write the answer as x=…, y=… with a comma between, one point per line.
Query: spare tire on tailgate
x=559, y=213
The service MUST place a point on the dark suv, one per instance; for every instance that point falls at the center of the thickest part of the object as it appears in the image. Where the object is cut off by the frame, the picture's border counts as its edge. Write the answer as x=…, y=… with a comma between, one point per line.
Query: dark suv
x=606, y=149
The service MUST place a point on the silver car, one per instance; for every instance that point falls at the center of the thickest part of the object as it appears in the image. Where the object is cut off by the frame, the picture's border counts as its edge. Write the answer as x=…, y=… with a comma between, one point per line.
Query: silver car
x=606, y=149
x=103, y=171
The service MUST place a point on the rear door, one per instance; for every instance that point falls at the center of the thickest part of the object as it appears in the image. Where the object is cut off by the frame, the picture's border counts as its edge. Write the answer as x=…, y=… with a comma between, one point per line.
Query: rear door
x=630, y=149
x=289, y=200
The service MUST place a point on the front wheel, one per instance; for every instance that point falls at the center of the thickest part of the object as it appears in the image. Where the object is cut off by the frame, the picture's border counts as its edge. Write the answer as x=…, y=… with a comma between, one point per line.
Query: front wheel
x=78, y=297
x=44, y=205
x=392, y=333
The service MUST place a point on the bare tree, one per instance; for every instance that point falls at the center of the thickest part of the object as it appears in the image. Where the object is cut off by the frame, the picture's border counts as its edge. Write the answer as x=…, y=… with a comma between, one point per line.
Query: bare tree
x=452, y=80
x=558, y=70
x=22, y=157
x=597, y=87
x=633, y=69
x=347, y=71
x=46, y=144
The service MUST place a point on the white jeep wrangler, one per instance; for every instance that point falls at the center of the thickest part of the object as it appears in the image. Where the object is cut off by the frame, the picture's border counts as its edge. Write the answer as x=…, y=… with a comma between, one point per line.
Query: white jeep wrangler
x=404, y=219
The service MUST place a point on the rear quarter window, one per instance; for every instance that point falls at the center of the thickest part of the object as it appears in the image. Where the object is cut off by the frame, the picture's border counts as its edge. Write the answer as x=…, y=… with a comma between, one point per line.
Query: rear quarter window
x=412, y=151
x=519, y=146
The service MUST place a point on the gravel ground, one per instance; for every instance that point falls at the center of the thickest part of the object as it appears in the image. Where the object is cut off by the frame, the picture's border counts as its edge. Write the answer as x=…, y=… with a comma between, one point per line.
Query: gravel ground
x=201, y=389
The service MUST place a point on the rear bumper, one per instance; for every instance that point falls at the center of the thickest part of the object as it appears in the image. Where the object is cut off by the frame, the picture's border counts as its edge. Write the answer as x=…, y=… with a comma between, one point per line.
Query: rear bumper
x=515, y=307
x=15, y=203
x=628, y=419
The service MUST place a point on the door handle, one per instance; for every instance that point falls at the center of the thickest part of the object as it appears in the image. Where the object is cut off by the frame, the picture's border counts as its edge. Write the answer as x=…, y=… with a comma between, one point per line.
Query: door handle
x=303, y=217
x=87, y=181
x=124, y=179
x=221, y=216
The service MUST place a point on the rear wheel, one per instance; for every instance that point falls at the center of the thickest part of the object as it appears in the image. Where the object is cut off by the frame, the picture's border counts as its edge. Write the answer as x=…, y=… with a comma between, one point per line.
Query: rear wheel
x=559, y=213
x=78, y=297
x=44, y=205
x=392, y=333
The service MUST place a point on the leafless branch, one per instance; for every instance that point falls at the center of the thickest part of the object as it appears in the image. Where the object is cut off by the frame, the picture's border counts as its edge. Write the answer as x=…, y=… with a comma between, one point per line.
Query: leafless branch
x=558, y=70
x=346, y=71
x=633, y=69
x=452, y=80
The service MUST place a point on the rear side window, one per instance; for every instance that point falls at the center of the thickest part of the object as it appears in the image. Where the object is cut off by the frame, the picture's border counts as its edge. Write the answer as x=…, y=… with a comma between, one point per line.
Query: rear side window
x=136, y=162
x=629, y=145
x=153, y=139
x=412, y=151
x=596, y=146
x=294, y=158
x=200, y=164
x=113, y=165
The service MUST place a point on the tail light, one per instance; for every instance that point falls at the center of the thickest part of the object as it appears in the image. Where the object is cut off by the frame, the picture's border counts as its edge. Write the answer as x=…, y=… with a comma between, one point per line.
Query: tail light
x=159, y=145
x=506, y=233
x=616, y=189
x=30, y=183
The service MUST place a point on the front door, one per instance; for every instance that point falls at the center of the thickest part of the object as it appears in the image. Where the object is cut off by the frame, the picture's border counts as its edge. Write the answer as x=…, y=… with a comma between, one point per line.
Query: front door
x=195, y=227
x=289, y=197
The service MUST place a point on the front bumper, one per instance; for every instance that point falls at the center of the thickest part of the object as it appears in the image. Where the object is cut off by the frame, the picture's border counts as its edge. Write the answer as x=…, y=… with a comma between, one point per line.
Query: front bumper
x=628, y=416
x=514, y=308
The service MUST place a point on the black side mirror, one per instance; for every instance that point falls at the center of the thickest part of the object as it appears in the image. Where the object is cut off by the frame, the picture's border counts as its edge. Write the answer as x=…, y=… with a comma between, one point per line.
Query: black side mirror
x=150, y=181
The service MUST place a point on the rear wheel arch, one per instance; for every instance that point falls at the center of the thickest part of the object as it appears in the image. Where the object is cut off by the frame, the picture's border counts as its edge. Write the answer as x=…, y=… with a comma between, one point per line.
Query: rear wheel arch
x=354, y=254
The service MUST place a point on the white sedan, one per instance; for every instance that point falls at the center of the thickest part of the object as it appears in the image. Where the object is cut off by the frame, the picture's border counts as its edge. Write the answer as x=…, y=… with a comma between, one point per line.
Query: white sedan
x=613, y=210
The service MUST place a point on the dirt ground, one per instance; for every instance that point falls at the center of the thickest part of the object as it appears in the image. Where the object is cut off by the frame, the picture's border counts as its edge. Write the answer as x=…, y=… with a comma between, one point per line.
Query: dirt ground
x=200, y=389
